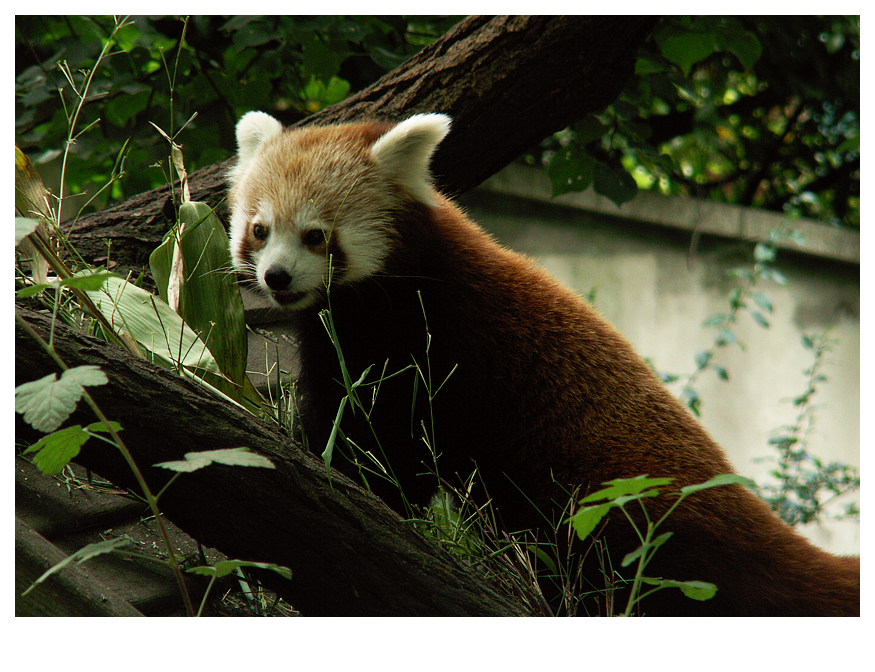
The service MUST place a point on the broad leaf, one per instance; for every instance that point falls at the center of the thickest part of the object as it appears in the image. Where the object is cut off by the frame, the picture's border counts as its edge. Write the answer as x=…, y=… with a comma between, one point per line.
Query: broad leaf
x=55, y=450
x=46, y=403
x=152, y=324
x=24, y=226
x=571, y=169
x=614, y=182
x=626, y=486
x=193, y=264
x=225, y=567
x=586, y=520
x=236, y=457
x=643, y=549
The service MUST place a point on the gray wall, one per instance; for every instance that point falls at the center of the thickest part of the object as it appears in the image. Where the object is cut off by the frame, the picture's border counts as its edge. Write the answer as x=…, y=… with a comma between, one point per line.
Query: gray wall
x=657, y=292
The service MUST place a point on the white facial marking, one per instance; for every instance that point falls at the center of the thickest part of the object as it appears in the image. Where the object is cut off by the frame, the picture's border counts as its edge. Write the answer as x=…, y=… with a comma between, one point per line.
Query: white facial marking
x=298, y=196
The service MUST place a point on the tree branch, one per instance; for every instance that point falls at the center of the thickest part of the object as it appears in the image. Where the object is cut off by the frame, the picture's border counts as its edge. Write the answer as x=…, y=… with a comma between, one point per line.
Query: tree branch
x=508, y=82
x=349, y=553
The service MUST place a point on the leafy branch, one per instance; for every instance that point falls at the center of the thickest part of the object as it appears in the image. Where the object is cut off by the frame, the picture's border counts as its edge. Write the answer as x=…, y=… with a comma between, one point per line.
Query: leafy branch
x=741, y=299
x=805, y=486
x=623, y=491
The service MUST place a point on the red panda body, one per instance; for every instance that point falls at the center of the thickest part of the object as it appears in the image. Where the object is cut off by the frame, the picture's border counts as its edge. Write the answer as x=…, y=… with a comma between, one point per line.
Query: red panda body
x=536, y=390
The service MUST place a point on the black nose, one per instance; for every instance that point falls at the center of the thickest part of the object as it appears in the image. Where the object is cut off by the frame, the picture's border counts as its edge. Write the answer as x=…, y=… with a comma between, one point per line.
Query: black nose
x=277, y=279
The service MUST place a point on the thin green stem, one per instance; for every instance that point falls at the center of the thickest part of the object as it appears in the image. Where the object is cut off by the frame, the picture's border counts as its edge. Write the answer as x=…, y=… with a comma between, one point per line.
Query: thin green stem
x=74, y=117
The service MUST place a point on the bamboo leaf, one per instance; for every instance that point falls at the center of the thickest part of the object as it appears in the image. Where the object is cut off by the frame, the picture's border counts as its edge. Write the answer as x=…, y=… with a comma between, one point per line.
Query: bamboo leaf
x=152, y=324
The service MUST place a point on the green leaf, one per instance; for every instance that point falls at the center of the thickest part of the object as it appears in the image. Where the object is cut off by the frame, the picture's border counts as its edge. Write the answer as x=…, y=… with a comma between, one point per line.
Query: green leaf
x=691, y=398
x=571, y=169
x=615, y=183
x=721, y=479
x=386, y=59
x=759, y=319
x=762, y=301
x=46, y=403
x=226, y=567
x=697, y=590
x=776, y=275
x=685, y=47
x=33, y=290
x=715, y=320
x=544, y=557
x=337, y=90
x=731, y=36
x=589, y=129
x=206, y=293
x=235, y=457
x=725, y=337
x=152, y=324
x=586, y=520
x=80, y=556
x=643, y=549
x=320, y=60
x=764, y=254
x=101, y=427
x=645, y=66
x=88, y=282
x=121, y=109
x=621, y=487
x=55, y=450
x=703, y=358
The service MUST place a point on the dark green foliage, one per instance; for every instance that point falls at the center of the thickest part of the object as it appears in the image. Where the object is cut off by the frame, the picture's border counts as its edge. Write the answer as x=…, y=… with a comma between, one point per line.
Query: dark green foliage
x=761, y=111
x=164, y=70
x=803, y=485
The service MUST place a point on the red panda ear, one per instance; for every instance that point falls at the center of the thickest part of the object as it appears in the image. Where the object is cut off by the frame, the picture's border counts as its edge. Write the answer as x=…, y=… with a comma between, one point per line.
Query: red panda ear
x=252, y=131
x=406, y=149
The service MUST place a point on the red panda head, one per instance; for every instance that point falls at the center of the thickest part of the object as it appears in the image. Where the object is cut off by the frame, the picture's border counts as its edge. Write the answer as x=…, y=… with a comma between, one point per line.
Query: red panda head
x=319, y=198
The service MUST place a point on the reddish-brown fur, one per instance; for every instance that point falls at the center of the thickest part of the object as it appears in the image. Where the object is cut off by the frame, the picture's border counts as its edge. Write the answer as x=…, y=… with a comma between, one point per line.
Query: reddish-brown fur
x=545, y=390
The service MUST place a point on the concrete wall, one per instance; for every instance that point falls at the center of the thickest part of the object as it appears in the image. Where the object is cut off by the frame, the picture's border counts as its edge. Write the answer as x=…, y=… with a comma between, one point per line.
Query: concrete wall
x=658, y=291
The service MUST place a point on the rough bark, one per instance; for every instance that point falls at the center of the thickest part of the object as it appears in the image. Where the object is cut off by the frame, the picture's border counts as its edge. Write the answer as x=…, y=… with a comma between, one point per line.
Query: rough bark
x=349, y=553
x=508, y=82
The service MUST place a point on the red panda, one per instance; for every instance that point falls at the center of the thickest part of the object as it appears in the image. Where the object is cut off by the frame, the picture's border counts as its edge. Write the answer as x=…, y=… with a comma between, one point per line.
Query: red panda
x=536, y=390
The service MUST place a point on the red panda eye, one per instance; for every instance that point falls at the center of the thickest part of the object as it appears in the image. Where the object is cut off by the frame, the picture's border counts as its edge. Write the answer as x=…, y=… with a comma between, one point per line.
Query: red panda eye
x=313, y=237
x=259, y=232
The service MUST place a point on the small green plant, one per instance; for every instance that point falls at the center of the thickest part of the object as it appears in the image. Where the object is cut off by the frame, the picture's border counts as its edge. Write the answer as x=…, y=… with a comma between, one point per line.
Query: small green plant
x=623, y=491
x=741, y=299
x=226, y=567
x=804, y=486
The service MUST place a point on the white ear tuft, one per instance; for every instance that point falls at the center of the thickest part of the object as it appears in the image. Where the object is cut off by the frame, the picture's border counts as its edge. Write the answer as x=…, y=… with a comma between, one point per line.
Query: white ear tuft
x=253, y=129
x=406, y=149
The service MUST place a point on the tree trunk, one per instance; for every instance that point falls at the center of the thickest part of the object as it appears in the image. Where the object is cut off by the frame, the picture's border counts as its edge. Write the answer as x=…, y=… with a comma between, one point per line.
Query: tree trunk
x=349, y=553
x=507, y=82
